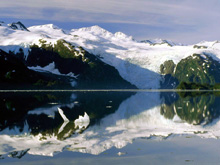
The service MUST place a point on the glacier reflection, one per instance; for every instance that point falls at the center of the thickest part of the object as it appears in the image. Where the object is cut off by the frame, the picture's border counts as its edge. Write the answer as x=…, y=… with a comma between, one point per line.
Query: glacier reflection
x=115, y=119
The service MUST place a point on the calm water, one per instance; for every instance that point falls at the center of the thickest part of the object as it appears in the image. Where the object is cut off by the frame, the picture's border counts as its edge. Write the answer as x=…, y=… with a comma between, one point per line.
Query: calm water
x=109, y=127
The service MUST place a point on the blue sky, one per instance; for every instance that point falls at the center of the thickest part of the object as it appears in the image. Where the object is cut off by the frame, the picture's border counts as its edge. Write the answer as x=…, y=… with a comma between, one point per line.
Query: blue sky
x=185, y=21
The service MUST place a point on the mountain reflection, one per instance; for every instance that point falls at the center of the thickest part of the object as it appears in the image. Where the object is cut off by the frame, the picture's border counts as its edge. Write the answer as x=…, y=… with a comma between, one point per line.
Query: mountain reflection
x=38, y=111
x=115, y=119
x=202, y=108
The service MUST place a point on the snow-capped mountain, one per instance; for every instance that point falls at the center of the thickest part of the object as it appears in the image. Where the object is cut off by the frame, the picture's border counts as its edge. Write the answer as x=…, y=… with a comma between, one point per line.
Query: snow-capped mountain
x=137, y=62
x=15, y=25
x=47, y=49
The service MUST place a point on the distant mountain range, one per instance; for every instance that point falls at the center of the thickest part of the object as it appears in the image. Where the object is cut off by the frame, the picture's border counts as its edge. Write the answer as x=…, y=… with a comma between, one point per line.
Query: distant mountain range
x=47, y=56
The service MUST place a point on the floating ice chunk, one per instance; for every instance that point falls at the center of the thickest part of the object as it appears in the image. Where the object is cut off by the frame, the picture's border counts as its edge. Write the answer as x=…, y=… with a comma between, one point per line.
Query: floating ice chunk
x=53, y=103
x=121, y=153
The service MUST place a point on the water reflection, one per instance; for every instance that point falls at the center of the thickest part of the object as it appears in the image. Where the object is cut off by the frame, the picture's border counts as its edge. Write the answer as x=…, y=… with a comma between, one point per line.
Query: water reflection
x=93, y=122
x=198, y=109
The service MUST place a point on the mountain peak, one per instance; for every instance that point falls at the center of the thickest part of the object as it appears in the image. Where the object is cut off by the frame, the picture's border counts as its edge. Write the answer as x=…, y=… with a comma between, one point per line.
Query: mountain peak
x=121, y=35
x=208, y=43
x=97, y=30
x=18, y=26
x=47, y=26
x=159, y=41
x=48, y=29
x=94, y=28
x=1, y=22
x=51, y=26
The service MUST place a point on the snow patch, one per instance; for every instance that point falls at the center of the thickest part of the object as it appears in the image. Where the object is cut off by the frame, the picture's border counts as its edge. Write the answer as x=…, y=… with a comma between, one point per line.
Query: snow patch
x=51, y=68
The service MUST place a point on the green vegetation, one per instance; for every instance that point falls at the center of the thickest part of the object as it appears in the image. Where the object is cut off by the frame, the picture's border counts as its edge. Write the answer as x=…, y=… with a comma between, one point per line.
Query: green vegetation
x=168, y=67
x=184, y=85
x=198, y=71
x=189, y=86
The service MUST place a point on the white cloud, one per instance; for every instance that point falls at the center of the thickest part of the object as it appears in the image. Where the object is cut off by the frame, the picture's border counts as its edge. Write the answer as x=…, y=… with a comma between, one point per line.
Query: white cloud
x=136, y=11
x=140, y=11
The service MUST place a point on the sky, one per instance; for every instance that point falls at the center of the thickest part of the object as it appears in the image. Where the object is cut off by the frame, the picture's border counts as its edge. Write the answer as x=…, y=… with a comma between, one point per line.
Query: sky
x=183, y=21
